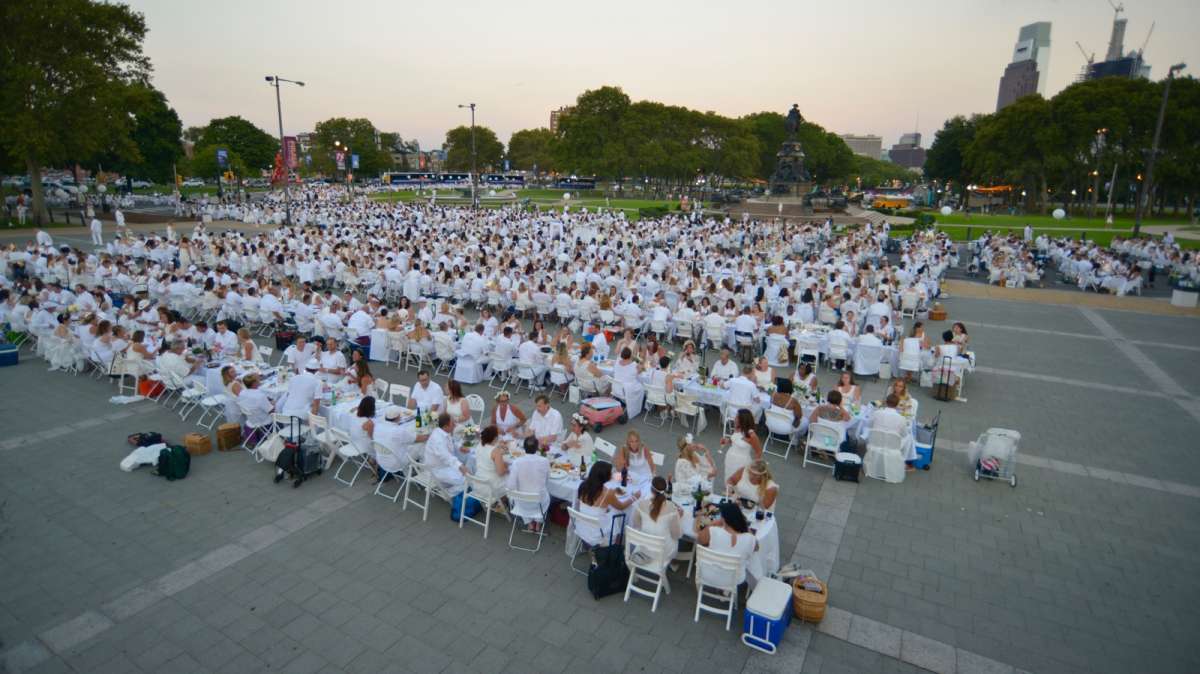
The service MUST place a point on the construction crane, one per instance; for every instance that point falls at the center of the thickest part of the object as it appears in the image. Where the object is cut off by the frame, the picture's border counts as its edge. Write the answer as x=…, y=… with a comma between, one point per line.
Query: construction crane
x=1147, y=41
x=1117, y=7
x=1090, y=58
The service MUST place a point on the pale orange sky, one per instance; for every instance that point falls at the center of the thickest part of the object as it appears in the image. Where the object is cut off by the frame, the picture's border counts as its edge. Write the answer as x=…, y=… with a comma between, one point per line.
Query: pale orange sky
x=864, y=67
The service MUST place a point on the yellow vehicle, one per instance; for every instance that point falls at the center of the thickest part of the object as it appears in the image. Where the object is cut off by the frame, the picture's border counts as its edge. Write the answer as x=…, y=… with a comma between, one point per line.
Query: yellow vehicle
x=890, y=201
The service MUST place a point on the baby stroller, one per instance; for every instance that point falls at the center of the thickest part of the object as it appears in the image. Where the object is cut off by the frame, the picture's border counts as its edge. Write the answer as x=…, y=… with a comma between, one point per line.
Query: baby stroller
x=994, y=455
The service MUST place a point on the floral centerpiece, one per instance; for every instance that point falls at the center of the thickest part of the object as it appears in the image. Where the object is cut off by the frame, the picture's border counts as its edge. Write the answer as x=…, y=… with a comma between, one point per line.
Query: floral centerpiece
x=470, y=434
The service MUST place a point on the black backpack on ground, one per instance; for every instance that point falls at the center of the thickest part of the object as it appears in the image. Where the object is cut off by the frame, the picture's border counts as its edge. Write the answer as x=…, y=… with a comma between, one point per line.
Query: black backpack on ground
x=609, y=574
x=145, y=439
x=173, y=463
x=293, y=461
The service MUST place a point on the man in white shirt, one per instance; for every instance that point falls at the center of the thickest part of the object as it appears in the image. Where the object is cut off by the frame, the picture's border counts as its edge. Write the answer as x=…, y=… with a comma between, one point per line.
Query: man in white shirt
x=530, y=355
x=529, y=473
x=546, y=423
x=724, y=368
x=96, y=229
x=300, y=353
x=303, y=393
x=889, y=419
x=427, y=395
x=398, y=437
x=440, y=457
x=225, y=341
x=599, y=342
x=744, y=325
x=869, y=338
x=743, y=392
x=254, y=404
x=174, y=364
x=359, y=327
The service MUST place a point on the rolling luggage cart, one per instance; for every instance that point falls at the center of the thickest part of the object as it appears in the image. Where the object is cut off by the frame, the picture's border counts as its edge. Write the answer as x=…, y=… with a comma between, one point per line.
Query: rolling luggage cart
x=924, y=440
x=994, y=455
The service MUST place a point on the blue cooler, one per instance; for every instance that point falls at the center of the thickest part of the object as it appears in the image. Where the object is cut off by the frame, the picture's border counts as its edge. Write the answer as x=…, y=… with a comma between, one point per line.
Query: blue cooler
x=924, y=456
x=768, y=614
x=8, y=355
x=924, y=439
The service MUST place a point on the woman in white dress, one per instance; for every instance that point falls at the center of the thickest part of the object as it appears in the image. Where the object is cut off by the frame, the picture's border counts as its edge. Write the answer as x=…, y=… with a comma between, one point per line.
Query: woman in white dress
x=507, y=418
x=489, y=461
x=635, y=457
x=729, y=534
x=694, y=467
x=764, y=374
x=625, y=374
x=744, y=444
x=64, y=351
x=587, y=375
x=233, y=387
x=456, y=404
x=658, y=516
x=362, y=427
x=755, y=483
x=595, y=499
x=247, y=349
x=578, y=444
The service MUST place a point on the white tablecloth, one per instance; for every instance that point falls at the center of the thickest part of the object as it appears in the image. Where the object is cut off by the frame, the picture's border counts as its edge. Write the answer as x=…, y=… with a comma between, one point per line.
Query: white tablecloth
x=765, y=559
x=379, y=345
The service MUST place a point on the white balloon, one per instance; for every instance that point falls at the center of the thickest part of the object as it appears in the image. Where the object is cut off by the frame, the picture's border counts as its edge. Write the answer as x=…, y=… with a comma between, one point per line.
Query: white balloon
x=102, y=188
x=946, y=210
x=83, y=189
x=1059, y=214
x=567, y=195
x=491, y=193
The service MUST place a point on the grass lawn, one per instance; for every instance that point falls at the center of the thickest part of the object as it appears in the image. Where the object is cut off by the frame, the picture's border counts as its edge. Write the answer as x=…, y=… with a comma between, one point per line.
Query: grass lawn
x=1100, y=235
x=1120, y=222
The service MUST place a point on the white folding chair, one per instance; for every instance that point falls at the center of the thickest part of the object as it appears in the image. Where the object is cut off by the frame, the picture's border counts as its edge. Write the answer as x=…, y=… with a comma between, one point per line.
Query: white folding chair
x=824, y=439
x=480, y=491
x=605, y=447
x=420, y=476
x=646, y=557
x=400, y=476
x=477, y=407
x=656, y=397
x=780, y=429
x=686, y=409
x=527, y=506
x=884, y=459
x=351, y=456
x=716, y=582
x=580, y=545
x=866, y=360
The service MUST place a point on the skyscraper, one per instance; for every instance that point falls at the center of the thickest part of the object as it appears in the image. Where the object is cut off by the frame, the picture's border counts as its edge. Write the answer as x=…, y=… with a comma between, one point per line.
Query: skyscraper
x=1027, y=73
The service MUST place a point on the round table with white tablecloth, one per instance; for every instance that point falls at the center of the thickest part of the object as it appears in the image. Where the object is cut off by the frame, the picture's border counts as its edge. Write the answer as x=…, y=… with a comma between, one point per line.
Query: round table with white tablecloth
x=765, y=559
x=379, y=345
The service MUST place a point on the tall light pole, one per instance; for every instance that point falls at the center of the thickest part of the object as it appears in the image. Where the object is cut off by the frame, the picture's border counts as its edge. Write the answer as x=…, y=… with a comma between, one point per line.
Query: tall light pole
x=275, y=80
x=1148, y=184
x=474, y=178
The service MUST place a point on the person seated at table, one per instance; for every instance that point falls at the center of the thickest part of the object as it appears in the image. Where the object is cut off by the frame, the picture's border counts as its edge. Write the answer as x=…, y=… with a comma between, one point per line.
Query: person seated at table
x=226, y=342
x=832, y=410
x=528, y=473
x=869, y=338
x=886, y=331
x=687, y=362
x=724, y=369
x=361, y=378
x=777, y=326
x=299, y=353
x=595, y=499
x=362, y=427
x=743, y=392
x=175, y=364
x=636, y=458
x=764, y=374
x=255, y=404
x=420, y=339
x=961, y=338
x=783, y=400
x=426, y=395
x=754, y=483
x=529, y=355
x=657, y=515
x=506, y=416
x=653, y=350
x=456, y=403
x=303, y=393
x=440, y=457
x=563, y=336
x=545, y=424
x=489, y=462
x=627, y=341
x=694, y=465
x=578, y=443
x=538, y=334
x=232, y=387
x=850, y=324
x=899, y=387
x=588, y=375
x=805, y=379
x=398, y=437
x=729, y=534
x=890, y=418
x=206, y=337
x=332, y=361
x=247, y=350
x=561, y=359
x=849, y=390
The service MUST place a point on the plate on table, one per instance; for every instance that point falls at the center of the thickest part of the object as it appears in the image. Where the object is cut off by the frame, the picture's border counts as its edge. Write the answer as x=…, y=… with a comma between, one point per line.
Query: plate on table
x=558, y=474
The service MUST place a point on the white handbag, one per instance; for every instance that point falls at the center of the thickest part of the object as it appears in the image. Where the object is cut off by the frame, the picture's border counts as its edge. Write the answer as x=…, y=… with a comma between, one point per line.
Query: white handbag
x=573, y=394
x=270, y=448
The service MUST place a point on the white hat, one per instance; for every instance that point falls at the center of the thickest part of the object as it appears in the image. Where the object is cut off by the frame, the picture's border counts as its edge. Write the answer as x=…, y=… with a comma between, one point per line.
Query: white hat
x=392, y=413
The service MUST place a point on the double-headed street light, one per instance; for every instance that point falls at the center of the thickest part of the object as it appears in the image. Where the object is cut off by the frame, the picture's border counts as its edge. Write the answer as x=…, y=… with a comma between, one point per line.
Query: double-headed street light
x=474, y=186
x=1149, y=183
x=274, y=81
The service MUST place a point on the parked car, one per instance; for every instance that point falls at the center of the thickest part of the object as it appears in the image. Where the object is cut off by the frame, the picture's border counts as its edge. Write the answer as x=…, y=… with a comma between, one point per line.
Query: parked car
x=142, y=183
x=193, y=182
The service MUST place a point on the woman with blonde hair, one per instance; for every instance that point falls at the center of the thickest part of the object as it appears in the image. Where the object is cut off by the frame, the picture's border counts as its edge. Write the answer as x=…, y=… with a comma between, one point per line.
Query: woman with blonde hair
x=755, y=483
x=694, y=465
x=247, y=350
x=633, y=455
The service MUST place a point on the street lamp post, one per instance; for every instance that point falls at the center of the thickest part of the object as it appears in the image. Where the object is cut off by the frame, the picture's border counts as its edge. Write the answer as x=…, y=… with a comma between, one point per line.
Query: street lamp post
x=474, y=174
x=275, y=80
x=1148, y=184
x=1099, y=148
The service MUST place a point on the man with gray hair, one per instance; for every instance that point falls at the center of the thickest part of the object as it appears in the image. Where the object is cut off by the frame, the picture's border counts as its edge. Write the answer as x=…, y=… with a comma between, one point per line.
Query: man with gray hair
x=175, y=365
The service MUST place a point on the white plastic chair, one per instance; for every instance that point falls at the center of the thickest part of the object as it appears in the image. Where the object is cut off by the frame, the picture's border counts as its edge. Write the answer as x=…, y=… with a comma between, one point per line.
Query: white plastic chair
x=910, y=355
x=350, y=456
x=401, y=476
x=866, y=359
x=712, y=563
x=825, y=437
x=655, y=397
x=604, y=447
x=780, y=429
x=884, y=459
x=478, y=407
x=580, y=544
x=686, y=409
x=480, y=491
x=652, y=550
x=527, y=505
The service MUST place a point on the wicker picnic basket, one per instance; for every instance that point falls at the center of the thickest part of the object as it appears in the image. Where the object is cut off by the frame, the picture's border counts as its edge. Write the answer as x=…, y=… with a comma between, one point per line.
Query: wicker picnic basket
x=808, y=605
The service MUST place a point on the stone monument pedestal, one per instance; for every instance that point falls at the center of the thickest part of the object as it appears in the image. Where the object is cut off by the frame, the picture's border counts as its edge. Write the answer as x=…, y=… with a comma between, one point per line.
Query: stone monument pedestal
x=790, y=177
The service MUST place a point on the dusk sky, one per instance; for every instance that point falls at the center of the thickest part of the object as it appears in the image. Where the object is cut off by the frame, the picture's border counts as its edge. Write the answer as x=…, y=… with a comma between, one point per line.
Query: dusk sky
x=863, y=67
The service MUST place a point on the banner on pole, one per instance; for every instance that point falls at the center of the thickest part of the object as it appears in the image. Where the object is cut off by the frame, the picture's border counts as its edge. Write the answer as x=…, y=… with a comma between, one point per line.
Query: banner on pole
x=354, y=162
x=222, y=157
x=291, y=154
x=340, y=158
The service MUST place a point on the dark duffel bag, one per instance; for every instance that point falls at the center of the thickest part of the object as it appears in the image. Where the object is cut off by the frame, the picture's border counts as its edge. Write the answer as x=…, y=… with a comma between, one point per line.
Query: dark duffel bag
x=609, y=574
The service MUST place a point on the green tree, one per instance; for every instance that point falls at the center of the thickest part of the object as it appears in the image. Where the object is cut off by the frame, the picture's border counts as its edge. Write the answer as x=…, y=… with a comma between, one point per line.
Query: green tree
x=946, y=159
x=589, y=139
x=65, y=67
x=155, y=132
x=872, y=172
x=360, y=135
x=256, y=147
x=770, y=128
x=203, y=163
x=530, y=148
x=828, y=158
x=1019, y=144
x=489, y=151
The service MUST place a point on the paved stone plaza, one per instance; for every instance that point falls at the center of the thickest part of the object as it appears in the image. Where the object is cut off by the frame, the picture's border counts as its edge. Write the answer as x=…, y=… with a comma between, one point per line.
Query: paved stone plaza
x=1087, y=565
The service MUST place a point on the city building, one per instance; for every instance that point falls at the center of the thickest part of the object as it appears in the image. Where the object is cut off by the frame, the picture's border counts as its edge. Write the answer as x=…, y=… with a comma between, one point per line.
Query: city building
x=866, y=146
x=556, y=115
x=1026, y=75
x=908, y=152
x=1118, y=63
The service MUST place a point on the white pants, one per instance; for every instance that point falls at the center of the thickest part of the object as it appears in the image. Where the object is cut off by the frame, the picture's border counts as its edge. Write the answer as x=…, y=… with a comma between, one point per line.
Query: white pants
x=21, y=215
x=96, y=238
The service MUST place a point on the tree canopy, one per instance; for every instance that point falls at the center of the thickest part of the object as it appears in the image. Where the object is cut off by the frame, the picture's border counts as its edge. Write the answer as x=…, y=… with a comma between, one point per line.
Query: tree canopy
x=255, y=147
x=489, y=151
x=531, y=148
x=65, y=71
x=361, y=136
x=155, y=130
